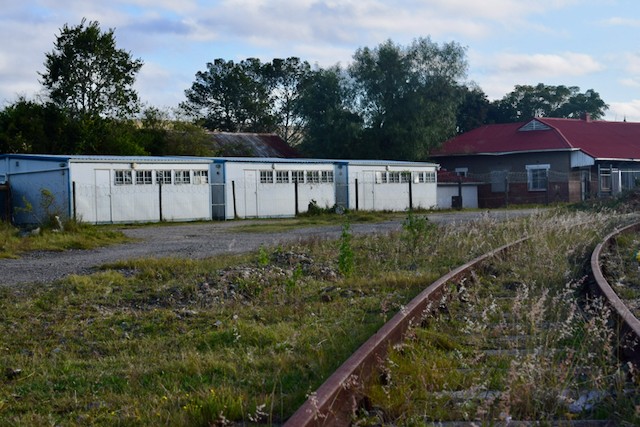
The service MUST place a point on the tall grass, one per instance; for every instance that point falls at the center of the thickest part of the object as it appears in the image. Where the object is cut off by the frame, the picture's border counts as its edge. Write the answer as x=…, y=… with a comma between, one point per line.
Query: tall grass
x=240, y=338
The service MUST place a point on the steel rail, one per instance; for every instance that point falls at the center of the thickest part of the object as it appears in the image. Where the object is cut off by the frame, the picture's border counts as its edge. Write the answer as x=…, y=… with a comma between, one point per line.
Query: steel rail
x=629, y=334
x=333, y=403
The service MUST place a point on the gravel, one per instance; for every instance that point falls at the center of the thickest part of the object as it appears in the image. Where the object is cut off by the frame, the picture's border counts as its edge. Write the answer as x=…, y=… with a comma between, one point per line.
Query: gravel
x=194, y=240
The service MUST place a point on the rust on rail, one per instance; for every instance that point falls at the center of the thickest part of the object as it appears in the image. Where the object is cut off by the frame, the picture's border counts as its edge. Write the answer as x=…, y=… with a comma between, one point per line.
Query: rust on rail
x=333, y=403
x=629, y=324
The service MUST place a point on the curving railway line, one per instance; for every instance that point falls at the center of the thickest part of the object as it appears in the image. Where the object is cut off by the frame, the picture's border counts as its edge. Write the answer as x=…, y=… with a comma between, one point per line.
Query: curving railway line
x=481, y=347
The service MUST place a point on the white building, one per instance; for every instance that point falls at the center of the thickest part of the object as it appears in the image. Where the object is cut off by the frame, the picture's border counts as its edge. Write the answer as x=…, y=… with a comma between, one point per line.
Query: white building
x=107, y=189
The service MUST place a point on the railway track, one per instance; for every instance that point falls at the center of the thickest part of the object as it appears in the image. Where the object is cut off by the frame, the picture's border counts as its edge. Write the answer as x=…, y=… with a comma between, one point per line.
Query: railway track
x=482, y=346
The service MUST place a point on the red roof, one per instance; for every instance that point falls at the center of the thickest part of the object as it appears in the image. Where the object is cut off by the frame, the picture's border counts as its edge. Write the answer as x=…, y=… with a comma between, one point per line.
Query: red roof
x=598, y=139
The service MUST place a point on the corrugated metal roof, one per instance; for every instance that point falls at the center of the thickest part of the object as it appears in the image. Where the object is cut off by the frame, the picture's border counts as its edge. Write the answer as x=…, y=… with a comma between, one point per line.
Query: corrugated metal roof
x=107, y=158
x=598, y=139
x=252, y=145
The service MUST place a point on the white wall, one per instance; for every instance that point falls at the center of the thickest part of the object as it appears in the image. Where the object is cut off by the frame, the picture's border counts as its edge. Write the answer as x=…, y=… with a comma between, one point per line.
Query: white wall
x=448, y=190
x=100, y=199
x=373, y=186
x=276, y=198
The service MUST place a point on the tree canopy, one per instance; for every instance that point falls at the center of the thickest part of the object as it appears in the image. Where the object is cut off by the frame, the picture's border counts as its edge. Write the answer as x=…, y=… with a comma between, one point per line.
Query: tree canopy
x=526, y=102
x=86, y=74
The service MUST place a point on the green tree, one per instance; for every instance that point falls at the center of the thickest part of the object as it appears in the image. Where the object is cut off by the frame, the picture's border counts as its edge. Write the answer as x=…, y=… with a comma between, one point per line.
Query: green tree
x=331, y=128
x=87, y=75
x=231, y=97
x=473, y=109
x=526, y=102
x=285, y=77
x=407, y=96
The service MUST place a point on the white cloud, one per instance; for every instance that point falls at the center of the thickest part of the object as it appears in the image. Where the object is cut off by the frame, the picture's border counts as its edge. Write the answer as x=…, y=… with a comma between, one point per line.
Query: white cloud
x=544, y=65
x=629, y=110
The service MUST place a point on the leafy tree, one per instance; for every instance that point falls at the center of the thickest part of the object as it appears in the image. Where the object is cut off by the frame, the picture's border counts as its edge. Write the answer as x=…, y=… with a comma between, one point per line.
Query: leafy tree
x=30, y=127
x=86, y=74
x=331, y=128
x=473, y=109
x=542, y=100
x=231, y=97
x=408, y=96
x=285, y=77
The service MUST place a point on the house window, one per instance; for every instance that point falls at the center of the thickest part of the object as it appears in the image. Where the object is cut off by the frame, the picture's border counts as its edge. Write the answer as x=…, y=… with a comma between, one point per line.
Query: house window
x=183, y=177
x=123, y=177
x=297, y=176
x=143, y=177
x=200, y=177
x=313, y=177
x=381, y=177
x=394, y=177
x=282, y=177
x=163, y=177
x=266, y=177
x=462, y=171
x=327, y=176
x=405, y=177
x=537, y=176
x=430, y=176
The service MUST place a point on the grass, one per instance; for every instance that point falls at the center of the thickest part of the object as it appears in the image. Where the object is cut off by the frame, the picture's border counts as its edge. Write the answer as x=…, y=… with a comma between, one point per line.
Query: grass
x=75, y=236
x=241, y=338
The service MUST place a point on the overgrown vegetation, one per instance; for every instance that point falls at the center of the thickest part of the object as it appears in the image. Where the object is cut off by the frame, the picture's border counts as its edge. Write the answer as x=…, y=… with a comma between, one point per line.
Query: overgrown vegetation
x=73, y=235
x=243, y=338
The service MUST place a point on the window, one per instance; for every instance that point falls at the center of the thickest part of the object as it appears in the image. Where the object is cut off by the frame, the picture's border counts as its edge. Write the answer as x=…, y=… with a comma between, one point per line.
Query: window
x=282, y=177
x=327, y=176
x=537, y=177
x=200, y=177
x=394, y=177
x=313, y=177
x=405, y=177
x=297, y=176
x=430, y=176
x=266, y=177
x=183, y=177
x=163, y=177
x=462, y=171
x=124, y=177
x=381, y=177
x=143, y=177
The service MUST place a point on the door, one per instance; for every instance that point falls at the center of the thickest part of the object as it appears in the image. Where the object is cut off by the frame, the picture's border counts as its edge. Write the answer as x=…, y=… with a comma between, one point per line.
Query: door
x=585, y=185
x=103, y=195
x=368, y=191
x=250, y=194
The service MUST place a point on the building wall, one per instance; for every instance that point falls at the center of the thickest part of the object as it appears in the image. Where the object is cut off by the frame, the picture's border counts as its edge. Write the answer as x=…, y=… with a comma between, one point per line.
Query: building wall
x=255, y=189
x=39, y=188
x=101, y=196
x=376, y=187
x=446, y=191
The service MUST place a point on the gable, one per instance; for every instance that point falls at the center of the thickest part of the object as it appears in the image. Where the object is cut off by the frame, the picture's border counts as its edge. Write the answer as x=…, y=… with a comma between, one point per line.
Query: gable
x=534, y=125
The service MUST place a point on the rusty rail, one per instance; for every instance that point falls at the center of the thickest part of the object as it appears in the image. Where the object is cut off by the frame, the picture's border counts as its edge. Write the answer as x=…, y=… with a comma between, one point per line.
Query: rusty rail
x=333, y=402
x=629, y=325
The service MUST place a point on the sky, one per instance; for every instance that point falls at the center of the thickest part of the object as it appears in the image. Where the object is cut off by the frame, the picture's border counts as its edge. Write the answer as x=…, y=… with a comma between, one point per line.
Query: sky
x=591, y=44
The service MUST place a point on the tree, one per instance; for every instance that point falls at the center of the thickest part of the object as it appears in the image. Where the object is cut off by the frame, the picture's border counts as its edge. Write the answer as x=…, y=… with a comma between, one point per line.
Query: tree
x=285, y=77
x=331, y=128
x=473, y=109
x=231, y=97
x=88, y=76
x=408, y=97
x=526, y=102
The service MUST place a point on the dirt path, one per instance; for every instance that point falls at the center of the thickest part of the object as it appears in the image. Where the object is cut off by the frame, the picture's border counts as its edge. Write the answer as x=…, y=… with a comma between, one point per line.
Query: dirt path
x=199, y=240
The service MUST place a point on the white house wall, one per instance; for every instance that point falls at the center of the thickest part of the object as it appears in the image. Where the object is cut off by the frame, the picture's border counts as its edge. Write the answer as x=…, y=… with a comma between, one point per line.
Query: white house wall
x=447, y=191
x=269, y=189
x=103, y=196
x=378, y=188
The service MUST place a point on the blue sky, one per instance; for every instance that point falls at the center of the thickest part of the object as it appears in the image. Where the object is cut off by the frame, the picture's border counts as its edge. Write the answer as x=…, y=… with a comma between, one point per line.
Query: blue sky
x=592, y=44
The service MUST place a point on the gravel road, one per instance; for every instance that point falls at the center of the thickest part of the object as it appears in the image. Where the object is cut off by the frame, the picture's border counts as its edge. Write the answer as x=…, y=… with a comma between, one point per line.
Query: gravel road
x=193, y=240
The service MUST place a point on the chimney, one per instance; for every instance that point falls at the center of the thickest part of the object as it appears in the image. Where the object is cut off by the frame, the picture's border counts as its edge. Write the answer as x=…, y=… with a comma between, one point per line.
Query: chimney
x=586, y=117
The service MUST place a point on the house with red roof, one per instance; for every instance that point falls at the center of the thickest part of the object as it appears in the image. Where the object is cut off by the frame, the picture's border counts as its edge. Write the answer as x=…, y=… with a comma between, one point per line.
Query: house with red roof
x=546, y=160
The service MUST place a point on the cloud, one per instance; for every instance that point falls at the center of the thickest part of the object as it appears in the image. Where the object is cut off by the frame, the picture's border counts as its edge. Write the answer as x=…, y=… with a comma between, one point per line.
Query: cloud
x=629, y=110
x=544, y=65
x=622, y=22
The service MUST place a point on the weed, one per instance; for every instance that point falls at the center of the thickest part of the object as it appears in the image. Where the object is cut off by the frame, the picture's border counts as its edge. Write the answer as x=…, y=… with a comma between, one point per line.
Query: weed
x=345, y=251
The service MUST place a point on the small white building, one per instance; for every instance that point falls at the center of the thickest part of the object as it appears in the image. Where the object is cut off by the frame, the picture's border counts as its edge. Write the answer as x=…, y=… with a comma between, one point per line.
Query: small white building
x=383, y=185
x=107, y=189
x=270, y=187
